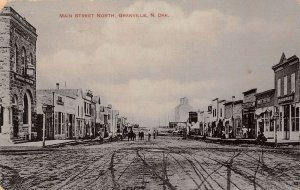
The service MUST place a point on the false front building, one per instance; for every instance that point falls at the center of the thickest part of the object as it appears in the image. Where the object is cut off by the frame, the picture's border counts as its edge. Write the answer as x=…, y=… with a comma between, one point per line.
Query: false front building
x=287, y=97
x=17, y=76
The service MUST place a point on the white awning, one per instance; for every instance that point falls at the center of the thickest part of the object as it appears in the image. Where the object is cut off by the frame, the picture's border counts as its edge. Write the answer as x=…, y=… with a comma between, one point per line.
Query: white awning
x=259, y=111
x=195, y=126
x=263, y=110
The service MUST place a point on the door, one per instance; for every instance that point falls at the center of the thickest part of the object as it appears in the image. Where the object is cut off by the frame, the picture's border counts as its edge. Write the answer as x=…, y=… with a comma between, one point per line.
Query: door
x=286, y=122
x=15, y=121
x=40, y=124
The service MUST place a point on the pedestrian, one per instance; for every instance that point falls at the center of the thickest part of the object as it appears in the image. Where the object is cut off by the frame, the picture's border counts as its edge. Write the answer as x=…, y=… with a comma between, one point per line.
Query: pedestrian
x=149, y=135
x=244, y=130
x=142, y=135
x=154, y=134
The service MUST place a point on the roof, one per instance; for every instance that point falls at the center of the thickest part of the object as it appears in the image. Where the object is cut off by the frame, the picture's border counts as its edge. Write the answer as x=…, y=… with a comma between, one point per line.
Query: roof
x=253, y=90
x=265, y=92
x=22, y=20
x=238, y=102
x=96, y=99
x=73, y=93
x=283, y=61
x=227, y=103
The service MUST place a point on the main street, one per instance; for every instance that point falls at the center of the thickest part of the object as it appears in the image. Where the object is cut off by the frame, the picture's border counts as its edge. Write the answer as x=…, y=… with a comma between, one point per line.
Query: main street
x=163, y=163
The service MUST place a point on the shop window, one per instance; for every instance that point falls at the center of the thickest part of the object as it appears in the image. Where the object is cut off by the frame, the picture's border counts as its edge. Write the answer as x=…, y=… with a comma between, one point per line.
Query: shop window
x=59, y=123
x=278, y=87
x=295, y=118
x=293, y=79
x=280, y=122
x=272, y=126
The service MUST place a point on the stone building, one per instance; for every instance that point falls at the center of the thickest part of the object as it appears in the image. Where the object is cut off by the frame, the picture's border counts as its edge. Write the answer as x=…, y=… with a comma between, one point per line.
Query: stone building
x=287, y=97
x=17, y=76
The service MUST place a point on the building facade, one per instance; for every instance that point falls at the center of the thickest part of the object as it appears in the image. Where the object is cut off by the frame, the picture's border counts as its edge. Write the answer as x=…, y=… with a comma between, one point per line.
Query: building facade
x=62, y=116
x=287, y=97
x=264, y=113
x=17, y=76
x=249, y=112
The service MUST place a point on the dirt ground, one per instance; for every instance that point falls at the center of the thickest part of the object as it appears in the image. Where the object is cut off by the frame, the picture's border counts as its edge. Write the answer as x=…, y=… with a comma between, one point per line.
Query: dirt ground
x=163, y=163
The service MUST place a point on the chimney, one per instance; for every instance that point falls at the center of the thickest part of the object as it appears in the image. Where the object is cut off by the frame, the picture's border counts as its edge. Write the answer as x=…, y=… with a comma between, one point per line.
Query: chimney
x=57, y=86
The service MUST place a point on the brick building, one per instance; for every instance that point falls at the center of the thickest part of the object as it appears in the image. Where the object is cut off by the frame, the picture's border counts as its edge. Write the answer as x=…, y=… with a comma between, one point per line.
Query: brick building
x=17, y=76
x=264, y=113
x=287, y=97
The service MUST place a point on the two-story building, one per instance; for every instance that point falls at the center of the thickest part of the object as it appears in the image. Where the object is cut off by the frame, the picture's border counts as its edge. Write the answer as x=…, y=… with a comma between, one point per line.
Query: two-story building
x=63, y=114
x=17, y=76
x=264, y=113
x=287, y=97
x=249, y=112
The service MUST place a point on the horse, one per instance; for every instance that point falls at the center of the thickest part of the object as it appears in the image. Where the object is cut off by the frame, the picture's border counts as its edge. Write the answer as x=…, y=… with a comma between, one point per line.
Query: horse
x=131, y=136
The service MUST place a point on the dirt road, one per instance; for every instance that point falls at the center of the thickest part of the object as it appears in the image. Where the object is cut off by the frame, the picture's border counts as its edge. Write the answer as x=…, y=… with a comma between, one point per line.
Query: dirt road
x=163, y=163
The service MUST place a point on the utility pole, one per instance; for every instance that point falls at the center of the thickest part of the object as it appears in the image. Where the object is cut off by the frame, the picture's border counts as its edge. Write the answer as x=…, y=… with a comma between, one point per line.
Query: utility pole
x=276, y=116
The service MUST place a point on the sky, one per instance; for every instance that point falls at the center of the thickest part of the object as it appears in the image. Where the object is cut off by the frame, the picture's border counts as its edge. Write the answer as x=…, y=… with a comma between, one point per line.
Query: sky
x=204, y=49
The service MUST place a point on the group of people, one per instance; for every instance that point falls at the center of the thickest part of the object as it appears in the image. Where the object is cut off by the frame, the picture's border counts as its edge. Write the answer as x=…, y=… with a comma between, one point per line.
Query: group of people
x=142, y=134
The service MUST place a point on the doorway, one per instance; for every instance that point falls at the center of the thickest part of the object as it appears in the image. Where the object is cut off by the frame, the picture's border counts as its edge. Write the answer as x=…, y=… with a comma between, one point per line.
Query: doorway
x=16, y=122
x=286, y=121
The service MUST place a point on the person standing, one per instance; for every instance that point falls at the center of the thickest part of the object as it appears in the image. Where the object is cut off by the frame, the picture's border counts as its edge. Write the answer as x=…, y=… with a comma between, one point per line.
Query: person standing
x=142, y=135
x=149, y=135
x=154, y=134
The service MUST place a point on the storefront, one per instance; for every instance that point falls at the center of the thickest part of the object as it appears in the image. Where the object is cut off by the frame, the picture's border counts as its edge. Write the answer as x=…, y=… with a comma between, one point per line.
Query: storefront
x=249, y=113
x=287, y=97
x=265, y=113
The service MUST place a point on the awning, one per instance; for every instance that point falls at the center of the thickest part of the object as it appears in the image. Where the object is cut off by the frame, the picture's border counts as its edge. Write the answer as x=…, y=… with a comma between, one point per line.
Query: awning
x=258, y=111
x=195, y=126
x=263, y=110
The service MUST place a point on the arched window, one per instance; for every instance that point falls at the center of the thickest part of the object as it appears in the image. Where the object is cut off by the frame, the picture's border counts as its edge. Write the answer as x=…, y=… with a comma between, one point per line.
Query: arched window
x=23, y=59
x=30, y=59
x=16, y=55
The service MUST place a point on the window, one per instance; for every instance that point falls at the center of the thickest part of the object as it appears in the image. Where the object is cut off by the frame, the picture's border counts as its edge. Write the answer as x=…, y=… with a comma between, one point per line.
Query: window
x=87, y=108
x=285, y=85
x=59, y=123
x=23, y=60
x=16, y=55
x=278, y=87
x=295, y=118
x=293, y=79
x=30, y=59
